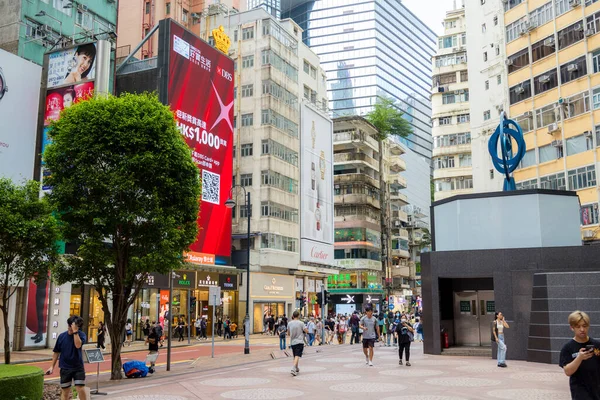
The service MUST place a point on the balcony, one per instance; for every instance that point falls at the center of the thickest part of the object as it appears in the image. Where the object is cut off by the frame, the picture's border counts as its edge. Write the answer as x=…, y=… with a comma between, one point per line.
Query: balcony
x=396, y=149
x=397, y=164
x=139, y=65
x=289, y=111
x=400, y=253
x=402, y=234
x=417, y=225
x=355, y=178
x=355, y=158
x=399, y=182
x=358, y=198
x=358, y=139
x=399, y=271
x=450, y=150
x=398, y=198
x=399, y=215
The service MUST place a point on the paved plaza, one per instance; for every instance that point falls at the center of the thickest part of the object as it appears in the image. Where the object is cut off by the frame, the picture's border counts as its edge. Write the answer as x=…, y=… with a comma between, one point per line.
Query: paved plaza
x=339, y=372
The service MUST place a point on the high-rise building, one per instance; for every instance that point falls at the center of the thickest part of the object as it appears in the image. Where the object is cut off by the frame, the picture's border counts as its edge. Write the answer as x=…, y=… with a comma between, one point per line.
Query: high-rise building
x=553, y=58
x=452, y=173
x=488, y=89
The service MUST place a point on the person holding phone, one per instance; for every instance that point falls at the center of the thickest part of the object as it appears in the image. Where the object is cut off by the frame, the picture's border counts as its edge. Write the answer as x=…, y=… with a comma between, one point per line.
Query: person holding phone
x=580, y=359
x=498, y=326
x=68, y=350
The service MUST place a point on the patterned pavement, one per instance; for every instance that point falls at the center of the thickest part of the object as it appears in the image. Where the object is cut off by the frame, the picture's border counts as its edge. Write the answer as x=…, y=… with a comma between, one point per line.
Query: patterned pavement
x=339, y=372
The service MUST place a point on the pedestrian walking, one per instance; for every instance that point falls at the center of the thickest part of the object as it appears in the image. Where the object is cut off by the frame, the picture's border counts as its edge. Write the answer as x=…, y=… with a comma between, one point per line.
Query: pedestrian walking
x=159, y=332
x=198, y=329
x=343, y=329
x=310, y=328
x=226, y=328
x=282, y=332
x=219, y=327
x=498, y=326
x=67, y=350
x=405, y=333
x=271, y=324
x=152, y=342
x=354, y=321
x=203, y=326
x=146, y=328
x=101, y=336
x=370, y=327
x=128, y=333
x=580, y=359
x=418, y=327
x=233, y=330
x=180, y=328
x=297, y=330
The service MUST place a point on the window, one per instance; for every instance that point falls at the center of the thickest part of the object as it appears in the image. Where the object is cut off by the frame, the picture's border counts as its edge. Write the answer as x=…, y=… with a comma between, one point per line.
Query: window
x=589, y=214
x=573, y=69
x=233, y=151
x=270, y=117
x=246, y=179
x=306, y=66
x=485, y=56
x=543, y=48
x=593, y=22
x=487, y=85
x=445, y=120
x=184, y=15
x=590, y=2
x=581, y=178
x=279, y=181
x=561, y=7
x=168, y=8
x=577, y=104
x=528, y=159
x=448, y=98
x=541, y=15
x=147, y=7
x=211, y=40
x=459, y=183
x=463, y=38
x=520, y=92
x=570, y=35
x=306, y=92
x=511, y=4
x=483, y=28
x=497, y=50
x=270, y=57
x=278, y=242
x=313, y=96
x=596, y=60
x=546, y=81
x=513, y=31
x=525, y=185
x=446, y=42
x=498, y=79
x=443, y=162
x=579, y=144
x=464, y=76
x=450, y=24
x=525, y=122
x=243, y=211
x=275, y=210
x=248, y=33
x=464, y=160
x=555, y=182
x=235, y=126
x=486, y=115
x=495, y=20
x=277, y=91
x=596, y=98
x=247, y=119
x=247, y=61
x=246, y=150
x=545, y=116
x=273, y=148
x=463, y=118
x=450, y=59
x=313, y=72
x=247, y=90
x=444, y=79
x=451, y=140
x=518, y=60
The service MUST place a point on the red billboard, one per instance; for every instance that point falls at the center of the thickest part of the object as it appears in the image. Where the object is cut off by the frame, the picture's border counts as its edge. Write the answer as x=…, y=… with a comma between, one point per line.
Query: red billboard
x=200, y=93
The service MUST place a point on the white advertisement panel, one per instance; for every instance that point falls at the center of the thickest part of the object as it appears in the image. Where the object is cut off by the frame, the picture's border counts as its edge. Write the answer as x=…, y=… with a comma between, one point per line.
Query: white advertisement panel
x=71, y=66
x=316, y=186
x=19, y=102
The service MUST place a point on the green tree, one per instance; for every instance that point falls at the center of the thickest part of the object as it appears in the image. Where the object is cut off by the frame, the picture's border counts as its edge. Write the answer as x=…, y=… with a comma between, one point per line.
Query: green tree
x=387, y=117
x=28, y=242
x=128, y=194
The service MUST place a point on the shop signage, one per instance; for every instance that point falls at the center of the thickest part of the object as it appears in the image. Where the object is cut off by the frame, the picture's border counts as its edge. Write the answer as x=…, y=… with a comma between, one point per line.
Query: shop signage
x=359, y=263
x=154, y=280
x=371, y=299
x=271, y=285
x=208, y=279
x=347, y=299
x=228, y=282
x=184, y=280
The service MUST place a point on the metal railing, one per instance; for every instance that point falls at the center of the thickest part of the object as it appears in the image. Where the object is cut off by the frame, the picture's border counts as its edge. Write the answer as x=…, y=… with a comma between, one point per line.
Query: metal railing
x=139, y=65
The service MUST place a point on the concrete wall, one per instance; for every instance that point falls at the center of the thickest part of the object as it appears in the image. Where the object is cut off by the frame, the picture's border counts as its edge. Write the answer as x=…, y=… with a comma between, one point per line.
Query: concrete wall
x=9, y=27
x=513, y=273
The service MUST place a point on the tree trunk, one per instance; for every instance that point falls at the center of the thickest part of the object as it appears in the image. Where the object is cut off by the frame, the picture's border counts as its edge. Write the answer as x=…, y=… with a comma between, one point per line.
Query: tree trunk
x=116, y=329
x=383, y=212
x=4, y=309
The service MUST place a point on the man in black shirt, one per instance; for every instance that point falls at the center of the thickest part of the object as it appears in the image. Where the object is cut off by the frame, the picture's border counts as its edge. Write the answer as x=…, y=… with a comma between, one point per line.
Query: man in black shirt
x=580, y=359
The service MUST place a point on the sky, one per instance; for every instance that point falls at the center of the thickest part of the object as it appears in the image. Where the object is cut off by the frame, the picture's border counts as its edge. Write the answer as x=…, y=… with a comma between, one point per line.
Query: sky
x=431, y=12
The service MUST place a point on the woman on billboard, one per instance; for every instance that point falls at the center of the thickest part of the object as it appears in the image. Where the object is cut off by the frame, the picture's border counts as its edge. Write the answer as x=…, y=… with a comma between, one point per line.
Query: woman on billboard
x=82, y=63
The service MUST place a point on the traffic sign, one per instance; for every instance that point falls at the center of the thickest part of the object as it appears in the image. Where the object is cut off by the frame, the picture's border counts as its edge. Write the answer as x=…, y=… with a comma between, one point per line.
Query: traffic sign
x=391, y=306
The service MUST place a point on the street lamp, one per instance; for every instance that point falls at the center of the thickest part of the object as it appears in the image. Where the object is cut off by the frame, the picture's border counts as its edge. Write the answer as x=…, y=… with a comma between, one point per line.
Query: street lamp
x=230, y=203
x=42, y=13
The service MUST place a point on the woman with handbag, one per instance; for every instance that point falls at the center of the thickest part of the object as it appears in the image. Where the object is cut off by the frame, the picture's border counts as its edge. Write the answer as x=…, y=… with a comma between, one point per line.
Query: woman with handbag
x=405, y=337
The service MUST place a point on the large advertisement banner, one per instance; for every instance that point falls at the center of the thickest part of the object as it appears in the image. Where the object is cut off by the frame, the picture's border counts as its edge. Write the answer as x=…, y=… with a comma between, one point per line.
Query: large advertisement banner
x=37, y=313
x=316, y=179
x=72, y=65
x=200, y=92
x=19, y=101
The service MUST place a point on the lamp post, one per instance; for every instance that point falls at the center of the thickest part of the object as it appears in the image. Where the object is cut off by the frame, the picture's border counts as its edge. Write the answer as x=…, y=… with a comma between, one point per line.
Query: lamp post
x=230, y=203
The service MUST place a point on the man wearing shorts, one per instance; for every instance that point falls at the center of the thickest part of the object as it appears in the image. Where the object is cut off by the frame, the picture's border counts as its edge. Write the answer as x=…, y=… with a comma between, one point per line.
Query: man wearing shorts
x=296, y=330
x=370, y=328
x=68, y=349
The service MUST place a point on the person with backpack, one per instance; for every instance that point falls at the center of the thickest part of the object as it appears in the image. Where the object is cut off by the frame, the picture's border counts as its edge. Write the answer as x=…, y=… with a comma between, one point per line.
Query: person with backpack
x=282, y=332
x=226, y=328
x=405, y=333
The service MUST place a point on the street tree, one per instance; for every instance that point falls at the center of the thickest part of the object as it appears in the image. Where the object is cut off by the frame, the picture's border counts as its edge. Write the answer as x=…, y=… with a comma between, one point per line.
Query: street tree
x=389, y=120
x=28, y=243
x=128, y=192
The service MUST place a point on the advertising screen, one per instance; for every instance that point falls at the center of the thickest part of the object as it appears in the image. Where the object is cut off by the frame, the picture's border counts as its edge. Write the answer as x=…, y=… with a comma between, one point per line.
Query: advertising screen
x=72, y=65
x=19, y=102
x=316, y=178
x=200, y=93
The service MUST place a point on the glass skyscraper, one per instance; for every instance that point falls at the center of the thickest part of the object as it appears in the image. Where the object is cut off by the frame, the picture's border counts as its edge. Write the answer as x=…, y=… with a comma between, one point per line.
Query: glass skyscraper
x=370, y=48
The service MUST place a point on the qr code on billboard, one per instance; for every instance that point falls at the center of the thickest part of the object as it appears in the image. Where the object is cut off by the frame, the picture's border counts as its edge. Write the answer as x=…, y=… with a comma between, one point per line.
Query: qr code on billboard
x=211, y=186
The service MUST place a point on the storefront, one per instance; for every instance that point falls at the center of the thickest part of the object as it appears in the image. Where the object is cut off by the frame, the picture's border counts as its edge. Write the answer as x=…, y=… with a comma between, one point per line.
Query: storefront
x=270, y=294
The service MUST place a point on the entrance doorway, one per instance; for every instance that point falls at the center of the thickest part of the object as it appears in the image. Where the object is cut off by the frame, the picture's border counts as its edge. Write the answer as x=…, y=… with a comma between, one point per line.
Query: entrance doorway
x=263, y=309
x=473, y=315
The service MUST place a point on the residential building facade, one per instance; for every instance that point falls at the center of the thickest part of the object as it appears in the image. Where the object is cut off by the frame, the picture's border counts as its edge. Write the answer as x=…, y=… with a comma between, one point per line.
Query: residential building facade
x=553, y=51
x=452, y=172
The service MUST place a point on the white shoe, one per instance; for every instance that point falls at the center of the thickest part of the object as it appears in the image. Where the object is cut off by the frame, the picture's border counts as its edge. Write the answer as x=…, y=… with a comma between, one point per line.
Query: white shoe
x=370, y=363
x=294, y=372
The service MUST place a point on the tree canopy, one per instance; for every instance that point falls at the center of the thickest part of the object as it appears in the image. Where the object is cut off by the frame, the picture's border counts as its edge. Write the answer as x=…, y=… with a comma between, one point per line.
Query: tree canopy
x=28, y=241
x=127, y=191
x=388, y=119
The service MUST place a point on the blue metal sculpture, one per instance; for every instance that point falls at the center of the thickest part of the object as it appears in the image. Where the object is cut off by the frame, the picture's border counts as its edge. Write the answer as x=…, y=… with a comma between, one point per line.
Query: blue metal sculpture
x=507, y=131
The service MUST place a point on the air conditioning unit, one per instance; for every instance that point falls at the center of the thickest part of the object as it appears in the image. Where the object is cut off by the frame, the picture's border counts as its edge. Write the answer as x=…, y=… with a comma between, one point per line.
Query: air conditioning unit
x=552, y=127
x=574, y=3
x=442, y=89
x=499, y=107
x=455, y=49
x=519, y=89
x=572, y=67
x=447, y=179
x=462, y=178
x=590, y=32
x=587, y=133
x=588, y=234
x=549, y=42
x=578, y=26
x=528, y=114
x=544, y=78
x=82, y=8
x=397, y=223
x=557, y=143
x=460, y=91
x=46, y=28
x=508, y=61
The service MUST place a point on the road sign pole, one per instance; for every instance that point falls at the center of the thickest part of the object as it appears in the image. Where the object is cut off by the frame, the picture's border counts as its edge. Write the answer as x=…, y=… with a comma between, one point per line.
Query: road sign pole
x=213, y=326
